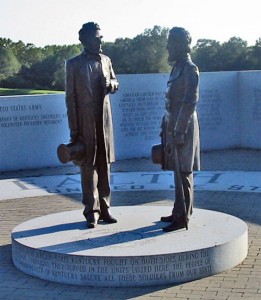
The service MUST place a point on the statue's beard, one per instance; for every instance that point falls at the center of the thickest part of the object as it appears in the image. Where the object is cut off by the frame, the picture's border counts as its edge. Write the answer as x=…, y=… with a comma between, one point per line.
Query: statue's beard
x=176, y=57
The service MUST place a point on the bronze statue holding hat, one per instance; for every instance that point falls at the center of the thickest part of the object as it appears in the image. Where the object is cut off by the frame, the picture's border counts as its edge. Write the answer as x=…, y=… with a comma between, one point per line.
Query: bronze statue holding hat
x=180, y=148
x=89, y=80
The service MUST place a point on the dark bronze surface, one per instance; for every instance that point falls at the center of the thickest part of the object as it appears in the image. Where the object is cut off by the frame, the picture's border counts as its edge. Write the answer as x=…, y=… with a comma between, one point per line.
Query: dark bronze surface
x=180, y=129
x=89, y=81
x=71, y=152
x=156, y=154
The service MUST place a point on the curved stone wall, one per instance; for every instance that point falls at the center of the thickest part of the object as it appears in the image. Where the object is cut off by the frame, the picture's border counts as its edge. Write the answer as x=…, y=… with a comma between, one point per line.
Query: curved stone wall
x=31, y=127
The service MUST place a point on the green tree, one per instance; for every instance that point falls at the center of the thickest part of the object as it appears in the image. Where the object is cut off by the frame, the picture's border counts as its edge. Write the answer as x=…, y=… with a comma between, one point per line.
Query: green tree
x=119, y=52
x=256, y=55
x=207, y=56
x=64, y=53
x=146, y=53
x=47, y=73
x=9, y=65
x=26, y=66
x=235, y=55
x=27, y=54
x=5, y=43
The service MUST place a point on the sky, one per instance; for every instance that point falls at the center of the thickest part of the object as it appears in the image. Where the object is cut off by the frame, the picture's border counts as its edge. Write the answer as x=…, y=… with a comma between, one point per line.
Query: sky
x=57, y=22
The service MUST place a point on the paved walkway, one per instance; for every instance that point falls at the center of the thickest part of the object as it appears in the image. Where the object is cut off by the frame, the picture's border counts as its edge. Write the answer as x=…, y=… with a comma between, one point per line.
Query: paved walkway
x=241, y=282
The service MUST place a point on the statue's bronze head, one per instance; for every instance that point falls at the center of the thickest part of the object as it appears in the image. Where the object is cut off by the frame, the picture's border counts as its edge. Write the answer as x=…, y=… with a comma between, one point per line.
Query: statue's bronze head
x=179, y=42
x=90, y=37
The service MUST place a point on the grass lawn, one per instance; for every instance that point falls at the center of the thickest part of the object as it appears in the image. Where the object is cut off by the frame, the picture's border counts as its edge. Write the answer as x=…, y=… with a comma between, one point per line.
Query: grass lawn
x=13, y=92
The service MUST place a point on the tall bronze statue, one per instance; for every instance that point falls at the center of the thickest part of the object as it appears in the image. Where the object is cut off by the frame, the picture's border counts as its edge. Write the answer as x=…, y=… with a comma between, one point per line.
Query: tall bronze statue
x=89, y=80
x=180, y=129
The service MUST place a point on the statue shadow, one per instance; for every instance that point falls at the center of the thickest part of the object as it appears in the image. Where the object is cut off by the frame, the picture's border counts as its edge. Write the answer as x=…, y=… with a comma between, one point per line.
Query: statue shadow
x=50, y=229
x=87, y=239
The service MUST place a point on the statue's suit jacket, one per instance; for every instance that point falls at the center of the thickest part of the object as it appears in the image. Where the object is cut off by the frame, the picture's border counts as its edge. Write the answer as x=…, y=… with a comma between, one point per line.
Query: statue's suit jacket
x=81, y=106
x=180, y=116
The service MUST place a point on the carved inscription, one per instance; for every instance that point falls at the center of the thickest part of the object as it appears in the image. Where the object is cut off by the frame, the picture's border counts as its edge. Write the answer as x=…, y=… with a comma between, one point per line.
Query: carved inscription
x=257, y=104
x=181, y=266
x=141, y=114
x=13, y=116
x=210, y=106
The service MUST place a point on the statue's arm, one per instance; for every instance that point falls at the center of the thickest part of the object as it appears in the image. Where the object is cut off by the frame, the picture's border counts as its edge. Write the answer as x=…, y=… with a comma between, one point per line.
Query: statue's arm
x=190, y=99
x=71, y=100
x=114, y=82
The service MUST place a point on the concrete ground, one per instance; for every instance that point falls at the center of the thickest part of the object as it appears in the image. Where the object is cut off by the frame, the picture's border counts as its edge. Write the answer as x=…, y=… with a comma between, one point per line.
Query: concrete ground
x=241, y=282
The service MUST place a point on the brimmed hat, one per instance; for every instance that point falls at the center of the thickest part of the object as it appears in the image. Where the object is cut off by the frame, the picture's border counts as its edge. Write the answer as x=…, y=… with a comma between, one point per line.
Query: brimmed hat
x=71, y=152
x=157, y=154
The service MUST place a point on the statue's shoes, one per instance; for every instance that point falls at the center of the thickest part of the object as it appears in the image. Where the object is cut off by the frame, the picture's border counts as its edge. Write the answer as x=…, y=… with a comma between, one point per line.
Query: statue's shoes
x=174, y=226
x=107, y=217
x=167, y=219
x=92, y=219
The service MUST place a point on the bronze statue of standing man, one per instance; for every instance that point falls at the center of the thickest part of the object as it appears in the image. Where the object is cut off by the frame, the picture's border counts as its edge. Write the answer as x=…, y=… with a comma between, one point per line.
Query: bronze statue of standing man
x=89, y=80
x=180, y=129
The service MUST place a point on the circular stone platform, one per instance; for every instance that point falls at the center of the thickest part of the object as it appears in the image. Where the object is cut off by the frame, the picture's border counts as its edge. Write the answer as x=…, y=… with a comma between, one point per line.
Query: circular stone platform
x=133, y=252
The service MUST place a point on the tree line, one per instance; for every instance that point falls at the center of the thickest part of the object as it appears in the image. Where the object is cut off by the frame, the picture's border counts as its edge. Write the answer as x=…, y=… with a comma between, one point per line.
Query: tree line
x=27, y=66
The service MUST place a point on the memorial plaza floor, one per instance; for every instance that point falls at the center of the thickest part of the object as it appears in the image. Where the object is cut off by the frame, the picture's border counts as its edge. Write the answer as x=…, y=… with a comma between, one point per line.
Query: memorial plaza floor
x=241, y=282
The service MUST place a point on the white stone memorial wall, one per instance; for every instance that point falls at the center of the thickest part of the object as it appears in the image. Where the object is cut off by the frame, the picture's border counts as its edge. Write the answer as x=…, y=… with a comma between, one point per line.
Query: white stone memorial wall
x=137, y=110
x=218, y=111
x=31, y=127
x=250, y=109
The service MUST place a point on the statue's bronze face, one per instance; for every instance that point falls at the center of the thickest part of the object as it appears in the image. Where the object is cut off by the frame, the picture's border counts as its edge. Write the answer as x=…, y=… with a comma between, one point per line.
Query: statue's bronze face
x=176, y=48
x=92, y=42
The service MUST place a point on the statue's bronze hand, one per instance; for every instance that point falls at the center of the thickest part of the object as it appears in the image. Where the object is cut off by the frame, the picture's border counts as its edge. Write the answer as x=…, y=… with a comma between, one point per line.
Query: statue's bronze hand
x=74, y=135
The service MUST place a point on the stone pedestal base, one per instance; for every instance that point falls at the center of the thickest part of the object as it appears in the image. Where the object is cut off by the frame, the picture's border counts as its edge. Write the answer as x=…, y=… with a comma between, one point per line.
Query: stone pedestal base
x=133, y=252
